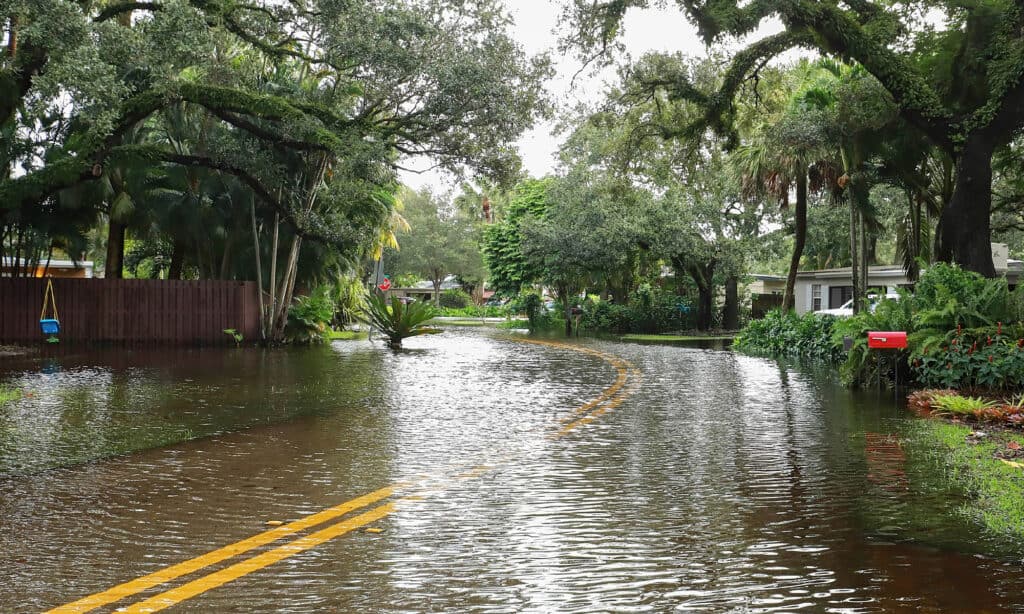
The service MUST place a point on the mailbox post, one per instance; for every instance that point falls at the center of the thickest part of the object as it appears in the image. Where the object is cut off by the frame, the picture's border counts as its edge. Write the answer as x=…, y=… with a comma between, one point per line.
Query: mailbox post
x=887, y=340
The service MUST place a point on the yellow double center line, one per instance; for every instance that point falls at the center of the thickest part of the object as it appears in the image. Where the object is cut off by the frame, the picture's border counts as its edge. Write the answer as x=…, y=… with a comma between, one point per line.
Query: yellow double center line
x=610, y=398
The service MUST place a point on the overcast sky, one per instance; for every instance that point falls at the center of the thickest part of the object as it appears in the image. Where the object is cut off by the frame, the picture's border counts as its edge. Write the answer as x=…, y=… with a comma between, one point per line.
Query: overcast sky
x=536, y=20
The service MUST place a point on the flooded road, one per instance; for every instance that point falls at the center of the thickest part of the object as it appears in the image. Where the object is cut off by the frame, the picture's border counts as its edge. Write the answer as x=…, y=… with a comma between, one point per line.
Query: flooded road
x=474, y=472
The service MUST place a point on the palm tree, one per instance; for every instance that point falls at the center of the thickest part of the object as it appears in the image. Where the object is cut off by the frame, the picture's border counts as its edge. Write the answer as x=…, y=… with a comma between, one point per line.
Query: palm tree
x=857, y=109
x=775, y=163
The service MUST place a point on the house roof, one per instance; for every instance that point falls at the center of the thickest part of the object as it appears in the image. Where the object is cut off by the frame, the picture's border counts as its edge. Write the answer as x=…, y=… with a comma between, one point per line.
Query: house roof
x=54, y=264
x=892, y=270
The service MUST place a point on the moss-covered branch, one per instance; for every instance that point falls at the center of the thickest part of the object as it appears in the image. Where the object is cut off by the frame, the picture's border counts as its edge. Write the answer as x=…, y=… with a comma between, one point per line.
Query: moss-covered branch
x=717, y=108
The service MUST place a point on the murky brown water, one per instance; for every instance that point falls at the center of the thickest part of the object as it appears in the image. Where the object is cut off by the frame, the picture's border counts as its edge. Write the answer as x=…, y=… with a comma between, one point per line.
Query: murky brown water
x=724, y=483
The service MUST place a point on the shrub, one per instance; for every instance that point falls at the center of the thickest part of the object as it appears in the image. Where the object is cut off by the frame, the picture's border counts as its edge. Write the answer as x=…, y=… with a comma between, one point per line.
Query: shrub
x=455, y=299
x=309, y=316
x=530, y=303
x=860, y=366
x=650, y=310
x=474, y=311
x=956, y=404
x=787, y=334
x=990, y=358
x=398, y=320
x=349, y=300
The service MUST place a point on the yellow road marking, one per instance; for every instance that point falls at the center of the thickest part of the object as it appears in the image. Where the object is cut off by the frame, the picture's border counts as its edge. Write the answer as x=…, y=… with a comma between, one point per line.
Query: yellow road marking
x=218, y=578
x=609, y=399
x=605, y=408
x=192, y=565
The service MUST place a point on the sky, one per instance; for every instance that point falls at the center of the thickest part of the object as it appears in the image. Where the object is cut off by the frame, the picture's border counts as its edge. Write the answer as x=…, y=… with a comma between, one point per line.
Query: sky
x=536, y=22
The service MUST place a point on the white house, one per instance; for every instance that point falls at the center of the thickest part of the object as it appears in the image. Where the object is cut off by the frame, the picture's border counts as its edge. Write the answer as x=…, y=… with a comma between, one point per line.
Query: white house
x=831, y=288
x=55, y=268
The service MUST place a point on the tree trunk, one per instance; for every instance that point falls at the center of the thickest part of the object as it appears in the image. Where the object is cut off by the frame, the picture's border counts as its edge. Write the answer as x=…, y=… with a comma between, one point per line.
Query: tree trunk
x=854, y=256
x=12, y=37
x=259, y=267
x=705, y=305
x=731, y=313
x=225, y=261
x=286, y=290
x=966, y=228
x=177, y=260
x=115, y=251
x=704, y=276
x=437, y=291
x=799, y=240
x=864, y=258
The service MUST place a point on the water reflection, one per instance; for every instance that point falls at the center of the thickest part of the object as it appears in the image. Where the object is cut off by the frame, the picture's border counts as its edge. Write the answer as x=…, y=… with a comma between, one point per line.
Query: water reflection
x=723, y=483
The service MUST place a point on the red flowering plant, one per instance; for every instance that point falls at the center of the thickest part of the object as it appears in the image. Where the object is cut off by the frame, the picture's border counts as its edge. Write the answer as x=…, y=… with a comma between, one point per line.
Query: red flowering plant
x=989, y=358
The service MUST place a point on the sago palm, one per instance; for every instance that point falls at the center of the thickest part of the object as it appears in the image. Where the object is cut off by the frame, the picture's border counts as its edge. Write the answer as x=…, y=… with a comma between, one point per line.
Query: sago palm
x=398, y=320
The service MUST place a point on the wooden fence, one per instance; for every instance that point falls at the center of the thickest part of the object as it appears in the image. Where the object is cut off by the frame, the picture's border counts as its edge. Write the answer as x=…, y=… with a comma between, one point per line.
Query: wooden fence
x=132, y=310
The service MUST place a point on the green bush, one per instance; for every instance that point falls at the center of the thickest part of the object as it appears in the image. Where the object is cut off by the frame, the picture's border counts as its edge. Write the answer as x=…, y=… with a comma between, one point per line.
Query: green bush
x=529, y=302
x=455, y=299
x=787, y=334
x=861, y=364
x=397, y=320
x=989, y=358
x=309, y=316
x=650, y=310
x=349, y=296
x=946, y=297
x=474, y=311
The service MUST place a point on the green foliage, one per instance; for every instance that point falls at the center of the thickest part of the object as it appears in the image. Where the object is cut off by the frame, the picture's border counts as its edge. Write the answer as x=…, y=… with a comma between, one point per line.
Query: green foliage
x=9, y=394
x=442, y=240
x=650, y=310
x=947, y=302
x=455, y=299
x=406, y=280
x=995, y=488
x=310, y=316
x=861, y=365
x=349, y=297
x=180, y=119
x=530, y=303
x=508, y=270
x=396, y=320
x=989, y=358
x=236, y=336
x=956, y=404
x=474, y=311
x=787, y=334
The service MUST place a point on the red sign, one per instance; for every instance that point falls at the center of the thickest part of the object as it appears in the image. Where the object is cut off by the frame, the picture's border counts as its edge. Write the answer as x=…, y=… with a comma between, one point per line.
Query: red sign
x=887, y=340
x=385, y=285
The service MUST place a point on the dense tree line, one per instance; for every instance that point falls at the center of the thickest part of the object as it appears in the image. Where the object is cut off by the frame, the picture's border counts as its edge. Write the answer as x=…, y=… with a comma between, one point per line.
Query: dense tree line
x=244, y=140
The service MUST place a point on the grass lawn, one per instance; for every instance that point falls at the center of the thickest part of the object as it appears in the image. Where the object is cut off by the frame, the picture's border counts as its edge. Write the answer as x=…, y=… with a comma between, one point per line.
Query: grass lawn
x=346, y=335
x=990, y=468
x=8, y=393
x=676, y=337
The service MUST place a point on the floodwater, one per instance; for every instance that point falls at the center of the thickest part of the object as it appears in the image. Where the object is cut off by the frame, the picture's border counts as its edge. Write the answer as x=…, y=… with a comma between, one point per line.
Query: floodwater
x=594, y=477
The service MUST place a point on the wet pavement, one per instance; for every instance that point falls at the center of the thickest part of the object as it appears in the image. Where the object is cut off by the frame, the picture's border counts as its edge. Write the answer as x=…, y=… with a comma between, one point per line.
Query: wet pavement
x=523, y=477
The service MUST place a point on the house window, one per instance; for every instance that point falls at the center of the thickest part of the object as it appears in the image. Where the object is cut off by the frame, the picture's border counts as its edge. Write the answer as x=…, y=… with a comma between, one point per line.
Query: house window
x=839, y=296
x=815, y=297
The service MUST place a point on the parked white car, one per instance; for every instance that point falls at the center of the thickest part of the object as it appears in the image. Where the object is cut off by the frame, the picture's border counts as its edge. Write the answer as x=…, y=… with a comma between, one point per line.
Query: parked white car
x=846, y=310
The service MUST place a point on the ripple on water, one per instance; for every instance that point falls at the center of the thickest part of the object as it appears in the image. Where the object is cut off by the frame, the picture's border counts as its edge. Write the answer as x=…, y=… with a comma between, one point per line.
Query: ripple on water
x=724, y=483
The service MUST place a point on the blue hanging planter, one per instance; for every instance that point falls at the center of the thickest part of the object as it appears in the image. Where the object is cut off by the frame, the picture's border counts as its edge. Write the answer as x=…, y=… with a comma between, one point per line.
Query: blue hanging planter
x=49, y=326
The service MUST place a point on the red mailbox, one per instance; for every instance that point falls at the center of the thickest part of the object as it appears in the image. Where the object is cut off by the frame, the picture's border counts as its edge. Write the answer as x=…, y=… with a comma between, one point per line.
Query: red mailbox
x=887, y=340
